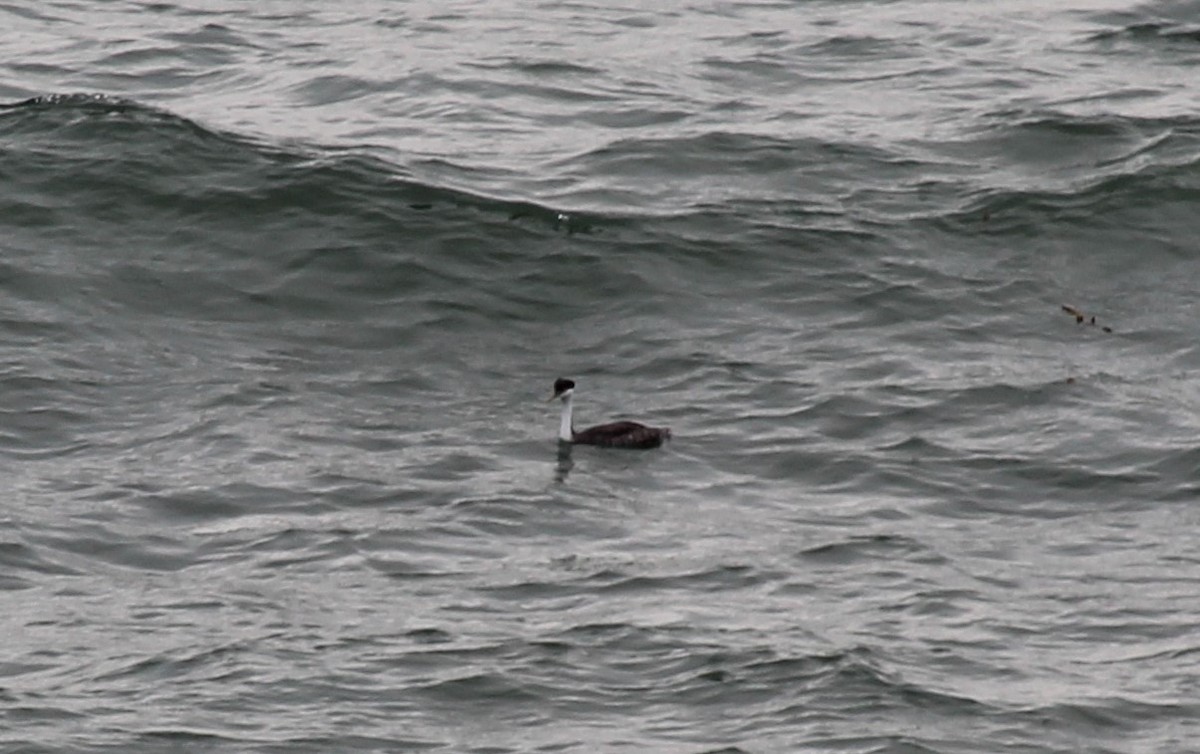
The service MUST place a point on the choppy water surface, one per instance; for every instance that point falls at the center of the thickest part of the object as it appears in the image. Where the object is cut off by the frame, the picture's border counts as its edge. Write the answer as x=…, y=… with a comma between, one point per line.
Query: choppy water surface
x=282, y=289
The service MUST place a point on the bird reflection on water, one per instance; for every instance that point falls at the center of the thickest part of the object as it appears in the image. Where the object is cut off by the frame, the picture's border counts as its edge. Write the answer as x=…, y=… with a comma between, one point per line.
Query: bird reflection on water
x=562, y=469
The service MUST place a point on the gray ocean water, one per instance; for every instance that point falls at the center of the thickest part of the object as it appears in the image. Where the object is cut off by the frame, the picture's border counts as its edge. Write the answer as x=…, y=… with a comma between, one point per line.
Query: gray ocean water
x=283, y=288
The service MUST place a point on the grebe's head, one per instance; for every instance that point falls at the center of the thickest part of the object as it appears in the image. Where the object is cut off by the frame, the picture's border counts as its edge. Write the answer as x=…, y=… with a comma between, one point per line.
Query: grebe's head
x=563, y=388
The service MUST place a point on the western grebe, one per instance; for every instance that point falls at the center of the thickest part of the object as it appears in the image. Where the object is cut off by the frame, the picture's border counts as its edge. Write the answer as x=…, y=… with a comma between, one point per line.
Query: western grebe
x=615, y=435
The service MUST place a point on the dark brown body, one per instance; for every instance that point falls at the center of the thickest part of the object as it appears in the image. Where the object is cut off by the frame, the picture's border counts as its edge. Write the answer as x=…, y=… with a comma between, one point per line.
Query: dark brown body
x=622, y=435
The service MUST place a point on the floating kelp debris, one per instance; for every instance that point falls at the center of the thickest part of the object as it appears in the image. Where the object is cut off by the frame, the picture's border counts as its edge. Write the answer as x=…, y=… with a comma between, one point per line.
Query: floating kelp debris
x=1080, y=317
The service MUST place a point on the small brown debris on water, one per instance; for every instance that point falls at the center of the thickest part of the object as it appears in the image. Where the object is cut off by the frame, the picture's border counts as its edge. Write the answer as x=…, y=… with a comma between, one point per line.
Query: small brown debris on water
x=1080, y=317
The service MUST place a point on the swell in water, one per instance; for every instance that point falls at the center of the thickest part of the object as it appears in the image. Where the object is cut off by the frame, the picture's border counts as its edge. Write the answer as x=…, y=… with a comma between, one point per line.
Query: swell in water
x=279, y=475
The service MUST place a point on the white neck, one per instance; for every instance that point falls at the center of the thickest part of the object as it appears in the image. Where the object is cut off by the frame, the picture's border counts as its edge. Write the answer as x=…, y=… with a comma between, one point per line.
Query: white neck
x=564, y=427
